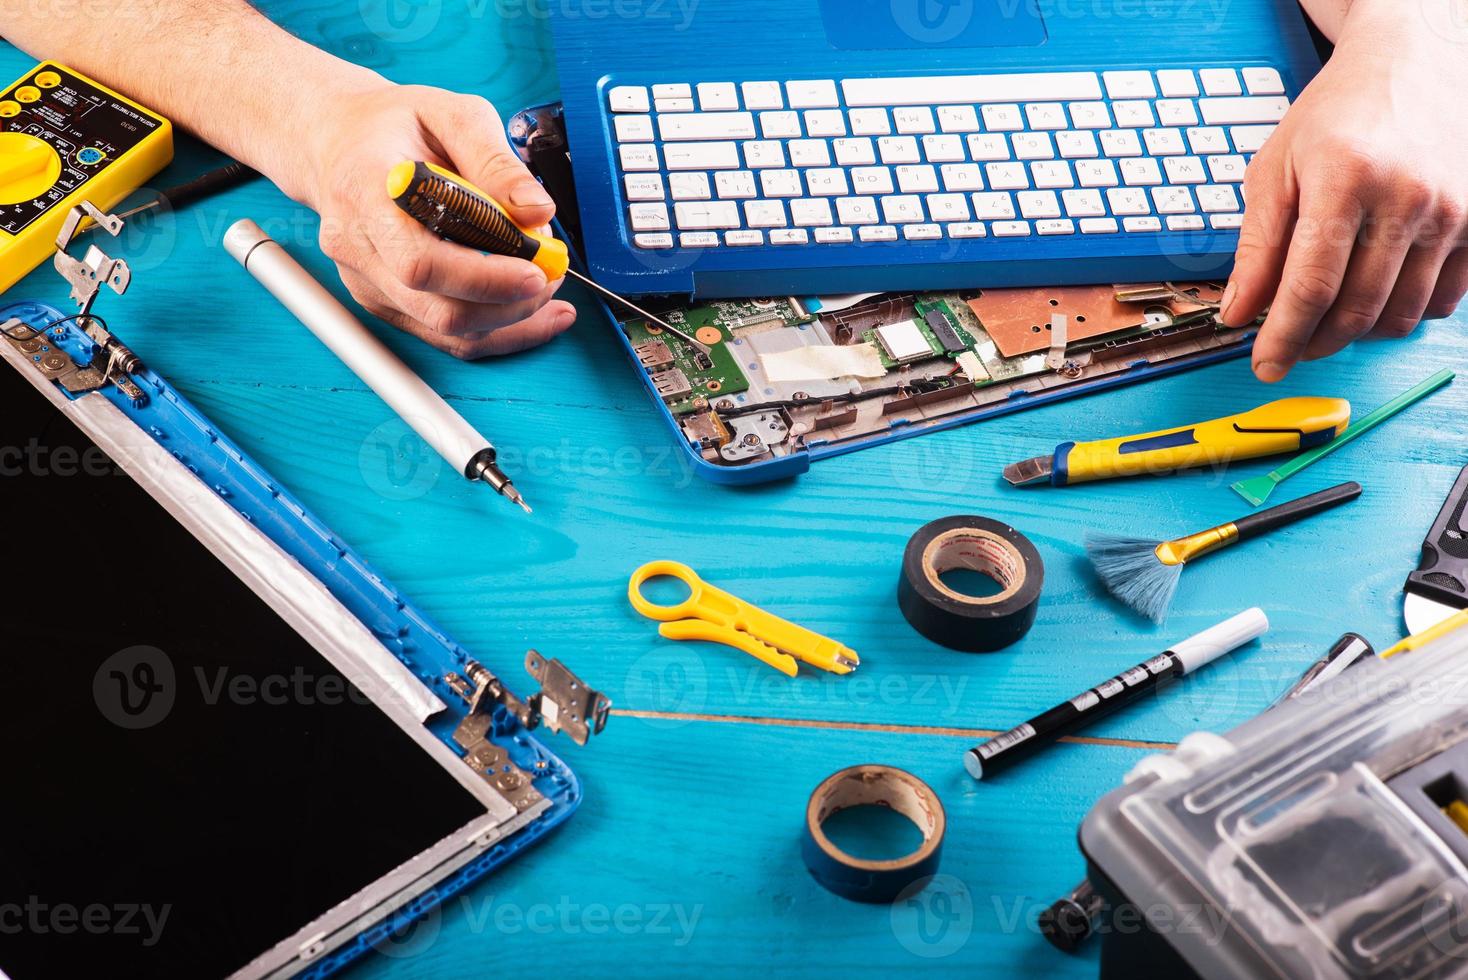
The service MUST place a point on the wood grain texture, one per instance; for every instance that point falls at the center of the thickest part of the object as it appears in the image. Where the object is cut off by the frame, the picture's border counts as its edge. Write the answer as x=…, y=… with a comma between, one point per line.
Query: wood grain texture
x=707, y=812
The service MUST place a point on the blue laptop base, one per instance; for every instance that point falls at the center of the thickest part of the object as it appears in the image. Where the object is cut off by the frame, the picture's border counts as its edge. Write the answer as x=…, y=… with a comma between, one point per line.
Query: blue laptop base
x=745, y=40
x=411, y=636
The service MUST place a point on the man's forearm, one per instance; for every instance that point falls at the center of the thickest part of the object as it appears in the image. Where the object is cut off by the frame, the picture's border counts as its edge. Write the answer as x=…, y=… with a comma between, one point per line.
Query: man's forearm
x=1336, y=17
x=249, y=88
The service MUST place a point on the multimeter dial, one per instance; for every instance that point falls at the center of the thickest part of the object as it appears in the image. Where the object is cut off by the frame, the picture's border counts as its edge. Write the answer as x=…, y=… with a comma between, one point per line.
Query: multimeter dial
x=29, y=167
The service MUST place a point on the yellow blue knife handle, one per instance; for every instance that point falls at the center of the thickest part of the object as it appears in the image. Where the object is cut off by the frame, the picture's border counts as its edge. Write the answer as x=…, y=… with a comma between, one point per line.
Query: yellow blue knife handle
x=1283, y=426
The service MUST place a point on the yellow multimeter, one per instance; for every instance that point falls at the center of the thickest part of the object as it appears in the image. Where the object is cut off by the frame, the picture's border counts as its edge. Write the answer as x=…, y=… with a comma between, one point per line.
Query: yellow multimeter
x=65, y=139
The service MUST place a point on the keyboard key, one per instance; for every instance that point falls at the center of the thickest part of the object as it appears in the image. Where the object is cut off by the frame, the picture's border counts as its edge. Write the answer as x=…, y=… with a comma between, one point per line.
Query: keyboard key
x=870, y=122
x=1121, y=143
x=762, y=95
x=1011, y=229
x=1164, y=142
x=1249, y=139
x=701, y=215
x=1263, y=81
x=689, y=186
x=1057, y=226
x=1133, y=114
x=1038, y=204
x=648, y=217
x=644, y=187
x=914, y=120
x=1098, y=226
x=1045, y=115
x=628, y=98
x=1172, y=200
x=943, y=149
x=653, y=241
x=735, y=184
x=825, y=122
x=917, y=179
x=812, y=95
x=958, y=119
x=1140, y=172
x=1127, y=200
x=1033, y=146
x=809, y=153
x=1007, y=176
x=1220, y=81
x=1177, y=83
x=779, y=125
x=744, y=238
x=717, y=96
x=1051, y=174
x=826, y=182
x=633, y=129
x=1090, y=115
x=1215, y=198
x=1248, y=109
x=764, y=214
x=811, y=212
x=1073, y=145
x=833, y=236
x=871, y=180
x=1083, y=204
x=672, y=90
x=856, y=210
x=1226, y=222
x=967, y=229
x=1096, y=173
x=898, y=149
x=855, y=152
x=993, y=205
x=921, y=233
x=704, y=125
x=962, y=177
x=1184, y=170
x=988, y=146
x=759, y=154
x=902, y=209
x=1142, y=224
x=948, y=207
x=640, y=156
x=1002, y=118
x=699, y=239
x=1188, y=222
x=1207, y=139
x=1226, y=170
x=780, y=183
x=877, y=233
x=701, y=156
x=971, y=89
x=674, y=105
x=1129, y=84
x=1176, y=112
x=790, y=236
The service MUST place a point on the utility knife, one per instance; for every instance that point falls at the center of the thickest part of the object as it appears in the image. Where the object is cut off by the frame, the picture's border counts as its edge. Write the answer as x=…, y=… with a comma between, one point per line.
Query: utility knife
x=1438, y=588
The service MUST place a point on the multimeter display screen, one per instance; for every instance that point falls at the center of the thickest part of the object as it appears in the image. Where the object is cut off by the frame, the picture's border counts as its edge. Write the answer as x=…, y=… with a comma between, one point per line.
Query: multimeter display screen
x=84, y=128
x=186, y=781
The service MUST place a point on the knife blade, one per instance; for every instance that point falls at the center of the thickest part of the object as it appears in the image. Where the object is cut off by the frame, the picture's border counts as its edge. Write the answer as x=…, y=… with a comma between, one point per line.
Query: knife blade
x=1438, y=588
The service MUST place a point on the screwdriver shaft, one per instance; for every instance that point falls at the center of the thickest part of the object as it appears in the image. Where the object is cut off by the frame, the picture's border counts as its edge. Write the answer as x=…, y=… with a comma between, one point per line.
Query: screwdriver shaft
x=656, y=321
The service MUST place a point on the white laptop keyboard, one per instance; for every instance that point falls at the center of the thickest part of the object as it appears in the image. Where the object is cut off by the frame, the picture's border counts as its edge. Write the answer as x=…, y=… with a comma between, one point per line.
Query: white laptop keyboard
x=720, y=164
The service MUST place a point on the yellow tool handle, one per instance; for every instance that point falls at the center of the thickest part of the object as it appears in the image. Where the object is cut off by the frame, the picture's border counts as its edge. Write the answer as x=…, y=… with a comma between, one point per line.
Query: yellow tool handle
x=698, y=629
x=449, y=206
x=1279, y=427
x=1450, y=625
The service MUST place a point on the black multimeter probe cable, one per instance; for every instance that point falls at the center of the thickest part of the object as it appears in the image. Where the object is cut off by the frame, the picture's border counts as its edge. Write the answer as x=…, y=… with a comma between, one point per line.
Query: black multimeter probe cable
x=214, y=182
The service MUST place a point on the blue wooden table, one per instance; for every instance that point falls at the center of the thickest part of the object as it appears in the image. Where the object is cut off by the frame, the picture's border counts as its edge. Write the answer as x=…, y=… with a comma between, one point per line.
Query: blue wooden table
x=685, y=854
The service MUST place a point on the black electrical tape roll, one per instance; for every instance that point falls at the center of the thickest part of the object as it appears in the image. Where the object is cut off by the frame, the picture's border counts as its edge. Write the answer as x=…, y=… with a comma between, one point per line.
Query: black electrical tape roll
x=966, y=622
x=859, y=879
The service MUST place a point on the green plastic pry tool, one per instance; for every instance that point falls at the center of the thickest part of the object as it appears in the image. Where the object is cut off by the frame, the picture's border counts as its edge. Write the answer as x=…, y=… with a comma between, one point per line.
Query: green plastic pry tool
x=1258, y=489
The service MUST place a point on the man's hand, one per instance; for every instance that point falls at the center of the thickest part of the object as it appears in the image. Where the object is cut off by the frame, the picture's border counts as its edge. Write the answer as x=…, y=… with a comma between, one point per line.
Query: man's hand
x=455, y=298
x=1358, y=204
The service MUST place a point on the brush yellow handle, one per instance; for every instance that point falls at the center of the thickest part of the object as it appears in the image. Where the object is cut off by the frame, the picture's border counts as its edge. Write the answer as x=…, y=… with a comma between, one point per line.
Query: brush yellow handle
x=1282, y=426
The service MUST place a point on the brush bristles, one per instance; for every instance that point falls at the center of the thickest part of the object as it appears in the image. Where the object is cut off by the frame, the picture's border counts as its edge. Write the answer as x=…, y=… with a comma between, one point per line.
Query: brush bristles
x=1131, y=571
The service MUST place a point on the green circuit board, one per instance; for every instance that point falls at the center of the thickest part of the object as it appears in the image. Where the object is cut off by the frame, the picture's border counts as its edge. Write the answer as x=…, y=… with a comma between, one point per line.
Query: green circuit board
x=709, y=375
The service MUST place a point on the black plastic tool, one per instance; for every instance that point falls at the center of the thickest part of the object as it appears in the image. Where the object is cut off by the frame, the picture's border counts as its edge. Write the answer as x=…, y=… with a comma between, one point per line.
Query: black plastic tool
x=1439, y=586
x=214, y=182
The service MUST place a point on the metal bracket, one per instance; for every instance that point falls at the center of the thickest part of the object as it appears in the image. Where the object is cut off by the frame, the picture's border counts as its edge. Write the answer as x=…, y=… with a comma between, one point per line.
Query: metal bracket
x=86, y=275
x=563, y=702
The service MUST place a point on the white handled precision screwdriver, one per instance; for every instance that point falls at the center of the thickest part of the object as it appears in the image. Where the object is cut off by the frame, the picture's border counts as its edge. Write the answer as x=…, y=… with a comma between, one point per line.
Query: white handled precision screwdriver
x=369, y=358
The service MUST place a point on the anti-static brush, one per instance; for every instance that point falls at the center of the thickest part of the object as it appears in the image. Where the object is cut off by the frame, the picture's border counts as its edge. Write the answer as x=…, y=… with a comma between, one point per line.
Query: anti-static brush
x=1145, y=574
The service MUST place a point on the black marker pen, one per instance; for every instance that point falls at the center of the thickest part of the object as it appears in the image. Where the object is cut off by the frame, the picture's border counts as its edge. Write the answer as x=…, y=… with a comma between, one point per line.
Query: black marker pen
x=1001, y=751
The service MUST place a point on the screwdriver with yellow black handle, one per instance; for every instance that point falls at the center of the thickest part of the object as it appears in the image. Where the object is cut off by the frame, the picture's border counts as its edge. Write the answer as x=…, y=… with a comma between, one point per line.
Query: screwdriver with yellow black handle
x=451, y=207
